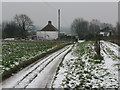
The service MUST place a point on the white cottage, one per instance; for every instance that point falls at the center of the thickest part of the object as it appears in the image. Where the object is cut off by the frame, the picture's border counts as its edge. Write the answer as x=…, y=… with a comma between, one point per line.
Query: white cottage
x=49, y=32
x=106, y=33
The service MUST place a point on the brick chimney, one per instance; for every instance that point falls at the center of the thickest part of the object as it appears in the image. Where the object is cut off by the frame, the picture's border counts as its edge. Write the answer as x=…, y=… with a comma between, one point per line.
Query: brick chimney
x=49, y=22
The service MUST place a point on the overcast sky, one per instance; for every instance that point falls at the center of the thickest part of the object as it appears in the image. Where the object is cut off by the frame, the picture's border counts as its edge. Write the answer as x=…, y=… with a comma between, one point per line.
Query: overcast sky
x=41, y=12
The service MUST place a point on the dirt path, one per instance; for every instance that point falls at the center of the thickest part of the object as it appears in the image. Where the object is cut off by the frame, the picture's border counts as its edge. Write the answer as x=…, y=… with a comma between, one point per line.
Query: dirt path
x=37, y=75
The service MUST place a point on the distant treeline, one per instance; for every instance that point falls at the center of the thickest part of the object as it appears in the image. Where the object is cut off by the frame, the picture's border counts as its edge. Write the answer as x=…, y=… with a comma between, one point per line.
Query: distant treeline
x=18, y=28
x=90, y=30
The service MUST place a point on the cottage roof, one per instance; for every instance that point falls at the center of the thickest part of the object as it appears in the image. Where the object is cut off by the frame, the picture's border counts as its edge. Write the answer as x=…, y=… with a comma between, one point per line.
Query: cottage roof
x=108, y=30
x=49, y=27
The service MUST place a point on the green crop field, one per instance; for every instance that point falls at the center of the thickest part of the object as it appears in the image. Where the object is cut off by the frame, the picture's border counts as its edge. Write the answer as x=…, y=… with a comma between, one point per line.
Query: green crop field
x=15, y=52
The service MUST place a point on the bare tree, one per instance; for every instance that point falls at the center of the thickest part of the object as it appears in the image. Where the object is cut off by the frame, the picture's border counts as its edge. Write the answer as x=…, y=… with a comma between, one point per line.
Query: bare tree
x=24, y=22
x=94, y=26
x=80, y=26
x=10, y=30
x=86, y=30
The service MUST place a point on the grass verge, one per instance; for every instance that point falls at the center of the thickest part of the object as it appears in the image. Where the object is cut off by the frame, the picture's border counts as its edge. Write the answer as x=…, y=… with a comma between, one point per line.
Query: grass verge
x=60, y=65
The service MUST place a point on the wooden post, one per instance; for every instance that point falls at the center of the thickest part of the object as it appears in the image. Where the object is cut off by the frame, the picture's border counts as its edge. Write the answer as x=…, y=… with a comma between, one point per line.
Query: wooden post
x=97, y=45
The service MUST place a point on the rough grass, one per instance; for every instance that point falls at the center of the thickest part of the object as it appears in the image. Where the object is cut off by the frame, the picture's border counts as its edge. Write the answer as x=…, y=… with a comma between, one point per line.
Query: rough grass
x=61, y=64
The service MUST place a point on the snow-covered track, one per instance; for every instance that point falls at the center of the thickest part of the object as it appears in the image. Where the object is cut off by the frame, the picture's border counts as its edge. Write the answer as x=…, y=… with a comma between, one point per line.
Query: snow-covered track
x=38, y=74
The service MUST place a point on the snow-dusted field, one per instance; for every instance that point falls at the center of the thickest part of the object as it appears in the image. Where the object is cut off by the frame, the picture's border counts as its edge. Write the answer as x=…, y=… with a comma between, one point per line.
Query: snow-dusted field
x=76, y=69
x=81, y=70
x=16, y=52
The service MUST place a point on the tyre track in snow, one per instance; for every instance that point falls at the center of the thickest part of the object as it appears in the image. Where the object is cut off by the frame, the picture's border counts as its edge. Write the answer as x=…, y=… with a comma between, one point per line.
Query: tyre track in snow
x=34, y=70
x=103, y=46
x=46, y=76
x=44, y=64
x=110, y=62
x=112, y=54
x=112, y=47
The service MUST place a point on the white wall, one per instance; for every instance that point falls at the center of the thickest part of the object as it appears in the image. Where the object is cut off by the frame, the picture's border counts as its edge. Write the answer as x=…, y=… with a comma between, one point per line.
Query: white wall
x=49, y=35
